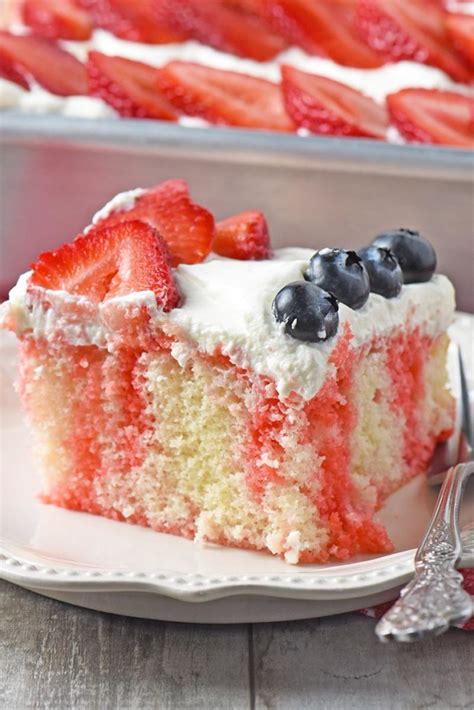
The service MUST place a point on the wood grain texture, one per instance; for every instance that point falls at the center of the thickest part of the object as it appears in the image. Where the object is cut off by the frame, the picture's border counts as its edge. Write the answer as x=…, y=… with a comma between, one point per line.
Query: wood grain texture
x=337, y=663
x=57, y=656
x=54, y=656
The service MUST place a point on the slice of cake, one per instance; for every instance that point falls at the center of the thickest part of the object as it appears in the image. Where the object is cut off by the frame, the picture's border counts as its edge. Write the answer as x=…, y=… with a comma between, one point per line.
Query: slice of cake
x=257, y=400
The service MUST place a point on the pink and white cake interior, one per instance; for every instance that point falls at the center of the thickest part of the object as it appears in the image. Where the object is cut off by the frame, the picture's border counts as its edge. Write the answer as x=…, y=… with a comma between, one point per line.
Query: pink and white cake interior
x=178, y=374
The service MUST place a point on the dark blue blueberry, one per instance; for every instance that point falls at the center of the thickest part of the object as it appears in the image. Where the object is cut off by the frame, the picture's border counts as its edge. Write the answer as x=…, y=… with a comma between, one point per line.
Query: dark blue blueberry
x=415, y=254
x=385, y=274
x=308, y=312
x=341, y=273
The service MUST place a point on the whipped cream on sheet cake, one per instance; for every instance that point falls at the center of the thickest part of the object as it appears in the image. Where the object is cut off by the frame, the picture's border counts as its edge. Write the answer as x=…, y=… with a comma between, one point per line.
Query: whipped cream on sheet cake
x=232, y=400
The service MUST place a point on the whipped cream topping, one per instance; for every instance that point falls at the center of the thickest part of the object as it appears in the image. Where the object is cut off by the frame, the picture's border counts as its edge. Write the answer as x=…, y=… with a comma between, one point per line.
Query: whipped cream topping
x=463, y=6
x=41, y=101
x=227, y=308
x=376, y=83
x=122, y=202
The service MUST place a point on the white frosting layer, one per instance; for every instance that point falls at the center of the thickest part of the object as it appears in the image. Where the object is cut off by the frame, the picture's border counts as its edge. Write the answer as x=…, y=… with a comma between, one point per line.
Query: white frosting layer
x=227, y=307
x=462, y=6
x=40, y=101
x=376, y=83
x=122, y=202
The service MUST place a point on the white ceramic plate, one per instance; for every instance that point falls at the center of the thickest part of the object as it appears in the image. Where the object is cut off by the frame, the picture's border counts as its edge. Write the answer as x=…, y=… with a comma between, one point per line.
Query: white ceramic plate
x=125, y=569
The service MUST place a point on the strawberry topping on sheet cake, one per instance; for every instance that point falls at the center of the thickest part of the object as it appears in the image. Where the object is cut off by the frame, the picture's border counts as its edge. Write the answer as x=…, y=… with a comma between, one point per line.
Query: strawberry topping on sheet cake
x=400, y=71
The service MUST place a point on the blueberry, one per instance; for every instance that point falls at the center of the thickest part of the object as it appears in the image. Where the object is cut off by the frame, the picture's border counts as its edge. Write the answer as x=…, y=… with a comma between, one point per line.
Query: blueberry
x=308, y=312
x=341, y=273
x=385, y=274
x=415, y=254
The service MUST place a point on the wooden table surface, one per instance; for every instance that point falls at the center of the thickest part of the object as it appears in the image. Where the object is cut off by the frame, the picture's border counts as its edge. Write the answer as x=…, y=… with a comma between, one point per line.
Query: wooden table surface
x=57, y=656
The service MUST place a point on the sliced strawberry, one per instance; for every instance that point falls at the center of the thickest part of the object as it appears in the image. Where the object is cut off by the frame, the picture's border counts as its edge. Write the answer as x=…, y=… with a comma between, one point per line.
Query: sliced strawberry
x=224, y=97
x=113, y=261
x=323, y=27
x=252, y=6
x=135, y=20
x=9, y=71
x=57, y=19
x=52, y=67
x=187, y=228
x=328, y=107
x=406, y=29
x=461, y=31
x=128, y=86
x=244, y=236
x=432, y=116
x=230, y=28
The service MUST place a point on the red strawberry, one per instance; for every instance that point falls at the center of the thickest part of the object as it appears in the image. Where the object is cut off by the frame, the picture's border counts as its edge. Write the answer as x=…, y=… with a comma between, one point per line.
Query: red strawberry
x=322, y=27
x=227, y=27
x=128, y=86
x=52, y=67
x=461, y=31
x=224, y=97
x=108, y=262
x=187, y=228
x=328, y=107
x=252, y=6
x=432, y=116
x=406, y=29
x=10, y=72
x=57, y=19
x=135, y=20
x=243, y=236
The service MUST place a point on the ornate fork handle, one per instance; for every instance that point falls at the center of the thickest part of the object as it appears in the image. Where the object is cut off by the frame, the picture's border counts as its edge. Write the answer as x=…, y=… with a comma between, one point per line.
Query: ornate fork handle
x=434, y=599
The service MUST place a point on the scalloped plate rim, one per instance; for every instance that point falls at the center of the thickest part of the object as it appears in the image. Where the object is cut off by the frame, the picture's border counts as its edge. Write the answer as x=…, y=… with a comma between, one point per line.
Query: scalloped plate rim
x=190, y=587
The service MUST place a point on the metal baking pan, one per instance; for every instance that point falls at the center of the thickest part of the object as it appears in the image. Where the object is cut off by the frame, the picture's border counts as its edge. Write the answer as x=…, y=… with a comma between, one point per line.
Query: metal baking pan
x=56, y=172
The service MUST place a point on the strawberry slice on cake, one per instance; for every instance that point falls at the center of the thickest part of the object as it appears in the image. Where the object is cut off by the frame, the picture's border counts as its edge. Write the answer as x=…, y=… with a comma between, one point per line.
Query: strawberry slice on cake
x=432, y=116
x=45, y=61
x=460, y=29
x=324, y=27
x=10, y=72
x=109, y=262
x=328, y=107
x=57, y=19
x=407, y=29
x=128, y=86
x=144, y=21
x=228, y=27
x=224, y=97
x=186, y=227
x=243, y=236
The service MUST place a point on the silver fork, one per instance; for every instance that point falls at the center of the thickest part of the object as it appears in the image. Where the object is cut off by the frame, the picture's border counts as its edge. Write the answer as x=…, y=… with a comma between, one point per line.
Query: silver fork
x=434, y=600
